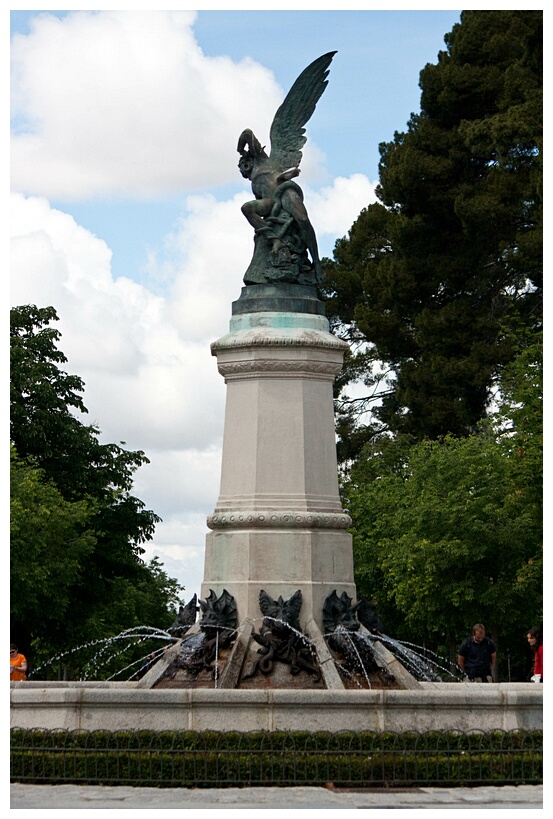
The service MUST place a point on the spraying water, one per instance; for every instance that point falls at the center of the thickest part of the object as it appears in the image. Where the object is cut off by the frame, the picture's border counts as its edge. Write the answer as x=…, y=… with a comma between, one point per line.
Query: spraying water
x=128, y=655
x=107, y=651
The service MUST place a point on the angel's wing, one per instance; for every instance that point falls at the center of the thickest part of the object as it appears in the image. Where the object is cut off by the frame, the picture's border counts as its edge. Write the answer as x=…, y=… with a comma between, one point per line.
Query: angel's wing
x=287, y=131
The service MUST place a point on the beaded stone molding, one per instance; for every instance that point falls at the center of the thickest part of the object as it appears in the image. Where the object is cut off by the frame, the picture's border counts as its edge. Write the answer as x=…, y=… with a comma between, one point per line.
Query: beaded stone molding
x=278, y=520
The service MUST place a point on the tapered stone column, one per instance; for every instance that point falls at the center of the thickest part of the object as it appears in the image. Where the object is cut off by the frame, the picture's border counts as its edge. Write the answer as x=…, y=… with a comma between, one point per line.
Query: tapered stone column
x=279, y=524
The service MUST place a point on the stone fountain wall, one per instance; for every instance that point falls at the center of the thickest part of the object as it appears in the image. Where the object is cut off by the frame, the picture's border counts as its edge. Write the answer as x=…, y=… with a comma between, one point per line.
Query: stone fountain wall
x=124, y=706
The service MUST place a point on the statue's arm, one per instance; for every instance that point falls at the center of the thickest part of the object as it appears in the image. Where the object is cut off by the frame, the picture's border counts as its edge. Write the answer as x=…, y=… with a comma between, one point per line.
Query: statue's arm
x=248, y=138
x=287, y=175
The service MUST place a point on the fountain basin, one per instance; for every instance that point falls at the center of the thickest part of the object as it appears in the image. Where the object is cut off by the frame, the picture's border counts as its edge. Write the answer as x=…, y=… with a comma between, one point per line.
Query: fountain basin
x=125, y=706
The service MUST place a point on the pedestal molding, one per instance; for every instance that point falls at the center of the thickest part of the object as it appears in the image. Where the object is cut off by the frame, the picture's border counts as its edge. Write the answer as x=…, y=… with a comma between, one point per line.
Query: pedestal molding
x=268, y=337
x=287, y=503
x=275, y=367
x=277, y=519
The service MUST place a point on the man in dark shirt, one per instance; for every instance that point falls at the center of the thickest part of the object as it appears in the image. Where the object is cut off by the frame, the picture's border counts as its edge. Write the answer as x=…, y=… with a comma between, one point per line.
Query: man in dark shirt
x=477, y=655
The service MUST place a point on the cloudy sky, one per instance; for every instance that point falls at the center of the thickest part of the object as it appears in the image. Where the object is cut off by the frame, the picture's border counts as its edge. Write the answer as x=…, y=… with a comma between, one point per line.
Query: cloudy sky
x=125, y=211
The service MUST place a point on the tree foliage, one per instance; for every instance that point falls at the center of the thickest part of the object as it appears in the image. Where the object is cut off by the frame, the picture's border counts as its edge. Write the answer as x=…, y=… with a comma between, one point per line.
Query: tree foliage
x=448, y=532
x=50, y=540
x=77, y=529
x=431, y=280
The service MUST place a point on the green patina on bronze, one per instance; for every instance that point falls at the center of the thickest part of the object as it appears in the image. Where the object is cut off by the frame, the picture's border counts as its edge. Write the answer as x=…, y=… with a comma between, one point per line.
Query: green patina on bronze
x=278, y=298
x=284, y=235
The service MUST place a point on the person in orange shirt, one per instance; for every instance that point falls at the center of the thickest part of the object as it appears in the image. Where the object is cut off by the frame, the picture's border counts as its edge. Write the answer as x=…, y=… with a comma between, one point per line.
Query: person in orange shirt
x=18, y=664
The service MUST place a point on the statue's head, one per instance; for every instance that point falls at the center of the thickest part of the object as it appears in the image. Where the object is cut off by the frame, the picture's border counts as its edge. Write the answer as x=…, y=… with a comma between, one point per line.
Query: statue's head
x=218, y=613
x=280, y=614
x=250, y=150
x=245, y=165
x=339, y=611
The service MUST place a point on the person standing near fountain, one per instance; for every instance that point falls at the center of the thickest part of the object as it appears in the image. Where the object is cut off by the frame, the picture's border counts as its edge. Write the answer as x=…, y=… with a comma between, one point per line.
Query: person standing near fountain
x=477, y=655
x=18, y=664
x=535, y=641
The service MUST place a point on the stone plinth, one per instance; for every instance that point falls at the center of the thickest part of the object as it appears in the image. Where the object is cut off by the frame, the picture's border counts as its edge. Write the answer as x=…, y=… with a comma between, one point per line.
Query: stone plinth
x=279, y=524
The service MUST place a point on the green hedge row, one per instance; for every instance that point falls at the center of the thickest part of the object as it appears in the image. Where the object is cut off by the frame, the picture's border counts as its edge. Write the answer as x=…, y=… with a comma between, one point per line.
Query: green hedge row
x=188, y=759
x=278, y=740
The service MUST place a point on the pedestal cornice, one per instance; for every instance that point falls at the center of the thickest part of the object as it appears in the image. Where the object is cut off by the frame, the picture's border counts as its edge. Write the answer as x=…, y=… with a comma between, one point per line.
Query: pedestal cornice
x=278, y=337
x=275, y=368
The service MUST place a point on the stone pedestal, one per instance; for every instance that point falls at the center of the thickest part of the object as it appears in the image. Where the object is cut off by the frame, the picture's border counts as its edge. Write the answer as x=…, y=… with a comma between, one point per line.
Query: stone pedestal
x=279, y=524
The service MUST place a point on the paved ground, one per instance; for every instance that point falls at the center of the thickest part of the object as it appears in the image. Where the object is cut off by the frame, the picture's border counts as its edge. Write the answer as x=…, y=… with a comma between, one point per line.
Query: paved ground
x=97, y=796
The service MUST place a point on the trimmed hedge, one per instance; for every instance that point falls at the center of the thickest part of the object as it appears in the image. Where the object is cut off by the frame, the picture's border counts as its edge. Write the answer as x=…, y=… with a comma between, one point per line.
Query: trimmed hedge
x=210, y=759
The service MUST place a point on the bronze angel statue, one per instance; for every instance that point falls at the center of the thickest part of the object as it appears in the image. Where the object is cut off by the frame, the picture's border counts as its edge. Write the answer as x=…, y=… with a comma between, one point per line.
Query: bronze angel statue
x=283, y=233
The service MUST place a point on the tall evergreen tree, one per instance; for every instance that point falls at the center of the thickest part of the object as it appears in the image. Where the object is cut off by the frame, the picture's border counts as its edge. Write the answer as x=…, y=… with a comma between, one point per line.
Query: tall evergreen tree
x=430, y=281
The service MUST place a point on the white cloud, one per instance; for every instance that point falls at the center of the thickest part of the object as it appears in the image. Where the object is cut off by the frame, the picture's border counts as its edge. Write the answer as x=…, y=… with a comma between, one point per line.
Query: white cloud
x=179, y=544
x=182, y=488
x=333, y=209
x=212, y=248
x=126, y=103
x=147, y=382
x=150, y=378
x=178, y=479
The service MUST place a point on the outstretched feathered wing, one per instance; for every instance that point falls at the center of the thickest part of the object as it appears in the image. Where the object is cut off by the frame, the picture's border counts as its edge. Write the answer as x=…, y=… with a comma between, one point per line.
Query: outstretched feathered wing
x=287, y=131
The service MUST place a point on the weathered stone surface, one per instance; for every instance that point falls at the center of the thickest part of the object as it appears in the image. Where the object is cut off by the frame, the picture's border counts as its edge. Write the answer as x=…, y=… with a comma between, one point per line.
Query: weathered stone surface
x=331, y=677
x=279, y=524
x=235, y=663
x=434, y=706
x=503, y=797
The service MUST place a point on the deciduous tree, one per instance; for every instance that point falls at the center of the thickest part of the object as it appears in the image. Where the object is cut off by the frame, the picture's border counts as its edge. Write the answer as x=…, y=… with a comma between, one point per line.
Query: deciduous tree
x=449, y=532
x=77, y=528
